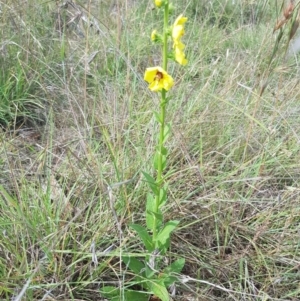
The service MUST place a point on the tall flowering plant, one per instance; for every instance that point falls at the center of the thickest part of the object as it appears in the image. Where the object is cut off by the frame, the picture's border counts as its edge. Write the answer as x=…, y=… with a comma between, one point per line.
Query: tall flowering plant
x=160, y=81
x=151, y=274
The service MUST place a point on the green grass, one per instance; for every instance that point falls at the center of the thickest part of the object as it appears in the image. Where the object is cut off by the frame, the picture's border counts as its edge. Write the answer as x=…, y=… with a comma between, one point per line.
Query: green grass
x=234, y=154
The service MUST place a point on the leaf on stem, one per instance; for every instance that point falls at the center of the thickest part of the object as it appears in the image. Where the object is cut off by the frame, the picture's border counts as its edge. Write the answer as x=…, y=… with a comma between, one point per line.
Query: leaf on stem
x=115, y=294
x=150, y=207
x=156, y=160
x=175, y=267
x=163, y=153
x=159, y=290
x=151, y=214
x=132, y=295
x=149, y=273
x=163, y=237
x=109, y=291
x=163, y=196
x=157, y=117
x=144, y=236
x=134, y=264
x=150, y=218
x=151, y=183
x=167, y=131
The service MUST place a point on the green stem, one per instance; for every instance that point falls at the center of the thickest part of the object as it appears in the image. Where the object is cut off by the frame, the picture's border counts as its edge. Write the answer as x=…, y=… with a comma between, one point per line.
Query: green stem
x=165, y=38
x=162, y=122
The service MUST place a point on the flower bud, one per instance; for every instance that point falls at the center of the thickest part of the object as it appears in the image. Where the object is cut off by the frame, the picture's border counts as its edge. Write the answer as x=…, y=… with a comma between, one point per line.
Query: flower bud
x=158, y=3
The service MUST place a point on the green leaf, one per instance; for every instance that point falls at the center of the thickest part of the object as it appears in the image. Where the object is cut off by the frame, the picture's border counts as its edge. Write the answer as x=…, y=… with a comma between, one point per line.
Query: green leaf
x=114, y=294
x=109, y=291
x=169, y=280
x=155, y=216
x=134, y=264
x=150, y=206
x=160, y=291
x=167, y=131
x=131, y=295
x=144, y=236
x=163, y=236
x=175, y=267
x=155, y=160
x=162, y=196
x=151, y=182
x=149, y=273
x=157, y=117
x=163, y=152
x=163, y=162
x=139, y=268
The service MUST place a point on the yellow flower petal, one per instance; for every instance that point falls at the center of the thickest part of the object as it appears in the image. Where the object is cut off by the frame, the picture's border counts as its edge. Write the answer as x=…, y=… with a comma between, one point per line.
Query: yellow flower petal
x=158, y=79
x=178, y=28
x=177, y=32
x=180, y=56
x=150, y=74
x=158, y=3
x=178, y=44
x=180, y=20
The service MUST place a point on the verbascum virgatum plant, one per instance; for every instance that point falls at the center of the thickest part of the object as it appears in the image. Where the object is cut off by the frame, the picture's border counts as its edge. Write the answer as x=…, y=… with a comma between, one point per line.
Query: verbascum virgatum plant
x=151, y=274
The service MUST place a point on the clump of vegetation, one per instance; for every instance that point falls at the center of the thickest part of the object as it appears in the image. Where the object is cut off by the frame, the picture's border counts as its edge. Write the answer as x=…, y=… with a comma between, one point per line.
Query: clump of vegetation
x=77, y=130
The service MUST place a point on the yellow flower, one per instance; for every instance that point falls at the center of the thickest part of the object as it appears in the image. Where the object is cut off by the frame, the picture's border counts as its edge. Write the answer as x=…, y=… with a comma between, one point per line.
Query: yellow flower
x=177, y=33
x=178, y=44
x=158, y=79
x=180, y=56
x=180, y=20
x=154, y=35
x=158, y=3
x=178, y=28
